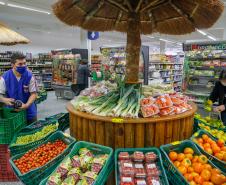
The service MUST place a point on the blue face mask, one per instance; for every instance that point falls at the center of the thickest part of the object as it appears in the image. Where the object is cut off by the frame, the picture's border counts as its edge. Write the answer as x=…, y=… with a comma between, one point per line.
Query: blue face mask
x=21, y=69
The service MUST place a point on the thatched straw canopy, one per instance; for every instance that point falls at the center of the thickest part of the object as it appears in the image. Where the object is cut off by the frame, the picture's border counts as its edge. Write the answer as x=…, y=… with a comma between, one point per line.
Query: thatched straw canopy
x=137, y=17
x=164, y=16
x=10, y=37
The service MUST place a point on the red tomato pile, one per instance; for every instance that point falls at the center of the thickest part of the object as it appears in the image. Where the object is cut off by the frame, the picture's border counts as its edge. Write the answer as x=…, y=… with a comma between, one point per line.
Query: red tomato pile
x=40, y=156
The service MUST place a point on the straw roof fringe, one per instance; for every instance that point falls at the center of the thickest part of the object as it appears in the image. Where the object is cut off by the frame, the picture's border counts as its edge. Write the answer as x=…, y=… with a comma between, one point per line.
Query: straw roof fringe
x=174, y=17
x=10, y=37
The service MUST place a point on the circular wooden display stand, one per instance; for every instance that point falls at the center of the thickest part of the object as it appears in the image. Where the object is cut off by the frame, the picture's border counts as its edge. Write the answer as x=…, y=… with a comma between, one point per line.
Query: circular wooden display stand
x=131, y=133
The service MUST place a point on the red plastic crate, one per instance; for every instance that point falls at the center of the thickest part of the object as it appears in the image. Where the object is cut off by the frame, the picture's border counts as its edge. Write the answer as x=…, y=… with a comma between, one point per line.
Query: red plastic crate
x=6, y=172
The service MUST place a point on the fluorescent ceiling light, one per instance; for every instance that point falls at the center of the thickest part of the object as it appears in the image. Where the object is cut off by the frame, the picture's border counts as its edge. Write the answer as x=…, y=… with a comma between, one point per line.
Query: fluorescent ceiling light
x=212, y=38
x=150, y=37
x=166, y=40
x=180, y=44
x=27, y=8
x=2, y=3
x=202, y=32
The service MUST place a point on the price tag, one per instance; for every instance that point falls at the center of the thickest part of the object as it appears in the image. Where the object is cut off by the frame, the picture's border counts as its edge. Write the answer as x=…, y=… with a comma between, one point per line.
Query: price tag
x=175, y=143
x=117, y=120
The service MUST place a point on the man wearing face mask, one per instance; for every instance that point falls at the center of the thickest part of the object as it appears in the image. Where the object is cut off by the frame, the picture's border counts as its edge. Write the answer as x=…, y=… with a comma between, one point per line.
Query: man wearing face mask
x=18, y=83
x=219, y=94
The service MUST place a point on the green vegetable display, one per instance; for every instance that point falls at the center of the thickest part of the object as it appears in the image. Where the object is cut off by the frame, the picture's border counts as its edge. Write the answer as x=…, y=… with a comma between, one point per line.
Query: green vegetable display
x=37, y=135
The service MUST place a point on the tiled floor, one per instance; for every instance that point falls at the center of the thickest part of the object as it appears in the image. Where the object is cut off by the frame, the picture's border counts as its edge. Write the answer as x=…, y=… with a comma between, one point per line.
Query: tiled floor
x=47, y=108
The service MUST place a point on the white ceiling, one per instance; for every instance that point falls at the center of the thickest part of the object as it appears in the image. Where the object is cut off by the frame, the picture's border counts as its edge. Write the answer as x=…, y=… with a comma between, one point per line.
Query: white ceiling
x=46, y=32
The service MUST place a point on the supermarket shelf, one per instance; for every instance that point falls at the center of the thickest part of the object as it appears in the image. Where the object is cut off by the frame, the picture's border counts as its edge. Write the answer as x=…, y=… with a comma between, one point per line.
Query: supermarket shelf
x=207, y=58
x=201, y=85
x=196, y=101
x=165, y=63
x=196, y=94
x=208, y=67
x=202, y=76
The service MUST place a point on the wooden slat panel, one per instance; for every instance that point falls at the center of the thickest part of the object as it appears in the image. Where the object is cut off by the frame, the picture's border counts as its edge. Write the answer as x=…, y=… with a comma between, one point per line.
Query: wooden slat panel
x=159, y=134
x=175, y=131
x=129, y=135
x=182, y=129
x=79, y=128
x=150, y=134
x=119, y=135
x=92, y=131
x=169, y=132
x=109, y=134
x=139, y=135
x=100, y=135
x=72, y=125
x=188, y=127
x=85, y=129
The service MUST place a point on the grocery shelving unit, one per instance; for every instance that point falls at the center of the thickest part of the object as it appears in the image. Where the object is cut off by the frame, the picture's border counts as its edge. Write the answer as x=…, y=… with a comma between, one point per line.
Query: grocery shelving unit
x=166, y=69
x=204, y=62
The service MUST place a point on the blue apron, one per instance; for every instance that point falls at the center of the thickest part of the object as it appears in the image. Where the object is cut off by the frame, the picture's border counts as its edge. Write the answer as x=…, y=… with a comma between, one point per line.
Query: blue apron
x=19, y=90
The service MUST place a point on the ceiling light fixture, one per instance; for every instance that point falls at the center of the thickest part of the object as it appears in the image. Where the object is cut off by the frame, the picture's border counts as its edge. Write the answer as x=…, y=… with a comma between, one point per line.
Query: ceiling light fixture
x=202, y=32
x=212, y=38
x=2, y=3
x=167, y=40
x=27, y=8
x=150, y=37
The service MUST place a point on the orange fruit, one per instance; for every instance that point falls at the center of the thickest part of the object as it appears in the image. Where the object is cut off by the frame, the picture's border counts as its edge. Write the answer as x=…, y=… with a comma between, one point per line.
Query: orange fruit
x=209, y=150
x=200, y=140
x=190, y=169
x=218, y=179
x=198, y=167
x=195, y=159
x=207, y=183
x=188, y=151
x=204, y=137
x=180, y=157
x=176, y=163
x=209, y=140
x=182, y=169
x=194, y=174
x=220, y=142
x=173, y=156
x=186, y=162
x=206, y=145
x=206, y=175
x=223, y=148
x=203, y=159
x=220, y=156
x=207, y=167
x=188, y=176
x=198, y=179
x=224, y=157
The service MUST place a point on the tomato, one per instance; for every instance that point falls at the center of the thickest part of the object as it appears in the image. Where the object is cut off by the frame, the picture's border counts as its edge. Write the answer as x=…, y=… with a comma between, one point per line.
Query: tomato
x=218, y=179
x=186, y=162
x=215, y=171
x=209, y=150
x=188, y=151
x=195, y=159
x=198, y=167
x=180, y=157
x=220, y=142
x=198, y=179
x=190, y=169
x=176, y=163
x=205, y=137
x=188, y=176
x=203, y=159
x=207, y=167
x=173, y=156
x=216, y=149
x=200, y=140
x=182, y=169
x=206, y=175
x=220, y=156
x=206, y=145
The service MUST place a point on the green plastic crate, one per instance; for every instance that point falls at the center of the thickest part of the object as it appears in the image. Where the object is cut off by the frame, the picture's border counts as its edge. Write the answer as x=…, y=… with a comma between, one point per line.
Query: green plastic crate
x=163, y=177
x=18, y=149
x=220, y=164
x=196, y=125
x=34, y=177
x=10, y=123
x=174, y=176
x=63, y=120
x=96, y=149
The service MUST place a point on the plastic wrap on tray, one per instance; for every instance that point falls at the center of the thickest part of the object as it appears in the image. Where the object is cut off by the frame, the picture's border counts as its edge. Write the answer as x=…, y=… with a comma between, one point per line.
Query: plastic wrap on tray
x=64, y=168
x=139, y=170
x=140, y=181
x=153, y=181
x=76, y=161
x=179, y=109
x=98, y=163
x=124, y=180
x=54, y=179
x=75, y=173
x=152, y=170
x=147, y=101
x=69, y=181
x=86, y=152
x=166, y=111
x=150, y=157
x=138, y=156
x=150, y=110
x=126, y=168
x=176, y=101
x=164, y=101
x=89, y=177
x=123, y=156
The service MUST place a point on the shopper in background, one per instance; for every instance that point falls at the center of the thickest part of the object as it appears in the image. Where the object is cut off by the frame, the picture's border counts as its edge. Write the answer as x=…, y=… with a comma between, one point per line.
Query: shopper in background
x=18, y=83
x=83, y=74
x=219, y=94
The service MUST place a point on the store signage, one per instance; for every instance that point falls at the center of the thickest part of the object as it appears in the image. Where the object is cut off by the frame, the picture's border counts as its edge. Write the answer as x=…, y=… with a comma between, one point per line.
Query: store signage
x=204, y=46
x=93, y=35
